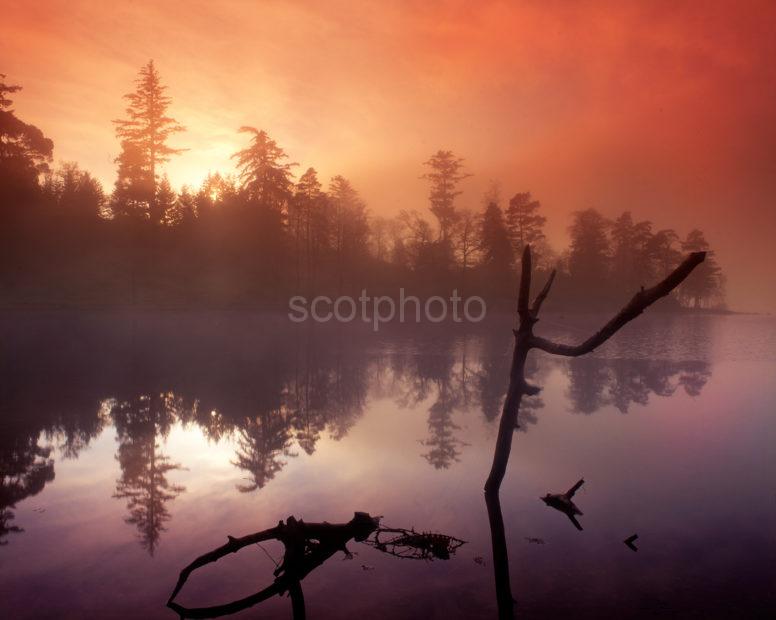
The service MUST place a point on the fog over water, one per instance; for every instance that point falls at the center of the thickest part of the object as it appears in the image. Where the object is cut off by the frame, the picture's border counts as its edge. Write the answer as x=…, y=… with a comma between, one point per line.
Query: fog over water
x=131, y=443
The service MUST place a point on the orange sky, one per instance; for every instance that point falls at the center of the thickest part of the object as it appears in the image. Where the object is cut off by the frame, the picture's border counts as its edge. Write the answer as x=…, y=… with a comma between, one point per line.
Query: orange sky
x=666, y=109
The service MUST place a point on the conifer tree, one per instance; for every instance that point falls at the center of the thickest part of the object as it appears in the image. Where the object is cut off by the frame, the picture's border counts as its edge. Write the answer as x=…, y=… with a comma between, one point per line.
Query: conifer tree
x=445, y=175
x=144, y=135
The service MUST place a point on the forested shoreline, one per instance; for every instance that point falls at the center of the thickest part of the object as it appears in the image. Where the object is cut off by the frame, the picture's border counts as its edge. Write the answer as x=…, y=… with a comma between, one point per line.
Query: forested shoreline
x=258, y=236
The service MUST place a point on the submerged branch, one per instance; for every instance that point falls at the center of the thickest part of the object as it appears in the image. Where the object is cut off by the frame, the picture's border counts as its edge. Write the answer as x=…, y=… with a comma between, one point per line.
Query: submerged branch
x=409, y=544
x=307, y=546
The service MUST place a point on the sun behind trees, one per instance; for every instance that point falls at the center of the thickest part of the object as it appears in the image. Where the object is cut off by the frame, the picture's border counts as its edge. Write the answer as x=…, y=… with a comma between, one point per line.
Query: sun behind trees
x=260, y=235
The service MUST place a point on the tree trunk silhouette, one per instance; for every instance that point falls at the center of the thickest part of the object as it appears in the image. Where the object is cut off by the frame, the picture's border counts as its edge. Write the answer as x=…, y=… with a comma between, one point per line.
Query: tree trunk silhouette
x=525, y=340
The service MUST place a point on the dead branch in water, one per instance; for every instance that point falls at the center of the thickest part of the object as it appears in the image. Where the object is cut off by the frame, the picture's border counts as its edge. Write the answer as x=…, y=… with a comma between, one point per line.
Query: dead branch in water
x=518, y=387
x=409, y=544
x=307, y=546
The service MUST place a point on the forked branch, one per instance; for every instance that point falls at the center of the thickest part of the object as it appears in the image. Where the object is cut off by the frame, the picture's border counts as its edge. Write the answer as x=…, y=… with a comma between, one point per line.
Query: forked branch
x=519, y=387
x=640, y=301
x=307, y=546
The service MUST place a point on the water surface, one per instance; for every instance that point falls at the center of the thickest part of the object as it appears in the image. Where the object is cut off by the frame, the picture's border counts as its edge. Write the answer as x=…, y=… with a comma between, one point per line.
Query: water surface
x=131, y=443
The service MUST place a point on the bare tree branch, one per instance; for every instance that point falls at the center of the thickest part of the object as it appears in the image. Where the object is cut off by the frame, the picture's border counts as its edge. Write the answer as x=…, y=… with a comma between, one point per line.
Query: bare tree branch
x=637, y=305
x=233, y=546
x=307, y=546
x=537, y=304
x=518, y=387
x=525, y=283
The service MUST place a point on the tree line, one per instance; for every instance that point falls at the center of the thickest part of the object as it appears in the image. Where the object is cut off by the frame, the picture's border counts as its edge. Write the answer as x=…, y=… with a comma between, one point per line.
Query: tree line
x=262, y=233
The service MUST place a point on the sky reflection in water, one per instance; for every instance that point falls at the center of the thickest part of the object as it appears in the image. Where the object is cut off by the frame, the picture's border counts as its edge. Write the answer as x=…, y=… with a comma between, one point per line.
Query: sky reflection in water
x=131, y=444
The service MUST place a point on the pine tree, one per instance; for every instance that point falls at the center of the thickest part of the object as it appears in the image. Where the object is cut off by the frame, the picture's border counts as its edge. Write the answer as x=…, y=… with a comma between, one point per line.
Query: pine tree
x=524, y=224
x=183, y=211
x=165, y=198
x=630, y=252
x=445, y=175
x=589, y=252
x=144, y=135
x=74, y=191
x=264, y=176
x=705, y=285
x=466, y=241
x=350, y=228
x=662, y=251
x=133, y=190
x=24, y=152
x=308, y=223
x=494, y=240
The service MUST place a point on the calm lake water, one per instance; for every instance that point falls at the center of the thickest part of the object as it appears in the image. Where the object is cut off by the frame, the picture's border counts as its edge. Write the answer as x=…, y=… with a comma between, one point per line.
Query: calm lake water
x=130, y=444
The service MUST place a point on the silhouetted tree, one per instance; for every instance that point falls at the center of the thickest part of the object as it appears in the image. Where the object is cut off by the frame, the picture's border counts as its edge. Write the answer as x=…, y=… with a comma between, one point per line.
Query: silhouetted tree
x=183, y=211
x=662, y=252
x=380, y=237
x=144, y=134
x=309, y=224
x=264, y=175
x=446, y=172
x=350, y=228
x=466, y=242
x=524, y=223
x=165, y=199
x=589, y=253
x=417, y=241
x=74, y=192
x=211, y=194
x=496, y=250
x=705, y=286
x=24, y=154
x=134, y=189
x=630, y=252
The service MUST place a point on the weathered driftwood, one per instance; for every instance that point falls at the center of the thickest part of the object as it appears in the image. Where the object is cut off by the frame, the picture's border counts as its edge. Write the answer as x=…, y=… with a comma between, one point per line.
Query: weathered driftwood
x=307, y=546
x=525, y=340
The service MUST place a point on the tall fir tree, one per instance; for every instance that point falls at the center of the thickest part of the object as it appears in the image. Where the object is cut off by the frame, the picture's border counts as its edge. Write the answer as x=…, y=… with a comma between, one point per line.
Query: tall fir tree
x=144, y=135
x=705, y=286
x=524, y=223
x=589, y=254
x=446, y=172
x=264, y=175
x=494, y=240
x=25, y=153
x=350, y=227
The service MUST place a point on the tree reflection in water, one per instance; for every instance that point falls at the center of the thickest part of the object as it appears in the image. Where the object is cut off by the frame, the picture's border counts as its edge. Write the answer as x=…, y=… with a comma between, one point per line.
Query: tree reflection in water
x=595, y=383
x=139, y=423
x=25, y=468
x=262, y=442
x=272, y=399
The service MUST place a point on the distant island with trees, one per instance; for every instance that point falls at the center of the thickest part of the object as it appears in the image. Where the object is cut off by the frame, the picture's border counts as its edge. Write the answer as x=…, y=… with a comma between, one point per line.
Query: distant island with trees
x=255, y=238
